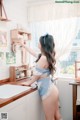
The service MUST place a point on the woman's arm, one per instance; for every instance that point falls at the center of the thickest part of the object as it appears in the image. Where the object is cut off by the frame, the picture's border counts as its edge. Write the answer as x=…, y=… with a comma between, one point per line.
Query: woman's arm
x=41, y=63
x=31, y=51
x=32, y=80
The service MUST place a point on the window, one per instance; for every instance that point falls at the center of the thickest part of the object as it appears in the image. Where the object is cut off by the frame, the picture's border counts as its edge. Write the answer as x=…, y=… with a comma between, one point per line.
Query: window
x=63, y=31
x=67, y=65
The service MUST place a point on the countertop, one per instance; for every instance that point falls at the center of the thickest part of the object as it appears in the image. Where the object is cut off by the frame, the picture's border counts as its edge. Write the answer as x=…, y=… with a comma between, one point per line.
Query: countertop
x=74, y=82
x=6, y=101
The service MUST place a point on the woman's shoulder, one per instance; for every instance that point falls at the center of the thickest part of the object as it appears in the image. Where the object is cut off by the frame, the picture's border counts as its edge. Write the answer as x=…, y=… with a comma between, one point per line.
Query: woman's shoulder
x=43, y=58
x=43, y=61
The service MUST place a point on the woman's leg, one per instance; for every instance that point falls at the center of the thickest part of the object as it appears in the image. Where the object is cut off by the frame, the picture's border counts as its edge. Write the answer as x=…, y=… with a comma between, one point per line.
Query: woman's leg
x=51, y=106
x=57, y=112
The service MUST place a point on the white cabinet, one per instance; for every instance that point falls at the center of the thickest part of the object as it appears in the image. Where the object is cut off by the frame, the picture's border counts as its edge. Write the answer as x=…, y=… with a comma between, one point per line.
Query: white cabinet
x=34, y=108
x=28, y=107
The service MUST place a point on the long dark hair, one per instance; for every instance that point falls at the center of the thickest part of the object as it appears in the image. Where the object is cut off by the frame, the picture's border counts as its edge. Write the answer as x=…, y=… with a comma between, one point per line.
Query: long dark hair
x=48, y=49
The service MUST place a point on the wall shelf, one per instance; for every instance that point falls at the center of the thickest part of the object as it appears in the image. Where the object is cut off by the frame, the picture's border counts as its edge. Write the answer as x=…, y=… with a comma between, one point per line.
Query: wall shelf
x=4, y=19
x=18, y=73
x=3, y=15
x=19, y=37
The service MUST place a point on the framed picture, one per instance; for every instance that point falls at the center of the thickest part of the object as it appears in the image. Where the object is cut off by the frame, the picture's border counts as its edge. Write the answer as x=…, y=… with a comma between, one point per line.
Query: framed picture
x=3, y=39
x=1, y=55
x=10, y=58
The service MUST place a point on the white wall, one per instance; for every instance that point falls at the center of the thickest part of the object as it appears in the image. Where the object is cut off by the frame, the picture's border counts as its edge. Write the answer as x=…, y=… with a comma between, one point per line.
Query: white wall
x=17, y=12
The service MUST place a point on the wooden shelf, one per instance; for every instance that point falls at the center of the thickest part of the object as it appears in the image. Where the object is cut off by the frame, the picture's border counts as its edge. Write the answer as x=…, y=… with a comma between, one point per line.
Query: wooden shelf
x=22, y=70
x=3, y=14
x=23, y=32
x=16, y=32
x=18, y=73
x=19, y=37
x=21, y=78
x=4, y=19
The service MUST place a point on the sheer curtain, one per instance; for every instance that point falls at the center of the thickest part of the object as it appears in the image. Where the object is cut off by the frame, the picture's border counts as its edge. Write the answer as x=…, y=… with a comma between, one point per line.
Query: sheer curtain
x=63, y=31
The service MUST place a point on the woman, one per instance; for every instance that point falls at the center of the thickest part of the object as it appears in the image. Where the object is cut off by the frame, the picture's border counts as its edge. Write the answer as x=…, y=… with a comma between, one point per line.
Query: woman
x=45, y=66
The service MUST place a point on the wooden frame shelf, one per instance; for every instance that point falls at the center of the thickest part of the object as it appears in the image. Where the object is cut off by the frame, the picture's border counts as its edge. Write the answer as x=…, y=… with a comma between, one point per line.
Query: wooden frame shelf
x=18, y=73
x=15, y=33
x=21, y=78
x=2, y=10
x=19, y=37
x=4, y=19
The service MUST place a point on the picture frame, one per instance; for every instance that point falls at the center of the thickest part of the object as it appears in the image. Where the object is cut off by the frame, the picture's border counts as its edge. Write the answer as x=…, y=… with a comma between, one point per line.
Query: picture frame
x=1, y=55
x=10, y=58
x=3, y=39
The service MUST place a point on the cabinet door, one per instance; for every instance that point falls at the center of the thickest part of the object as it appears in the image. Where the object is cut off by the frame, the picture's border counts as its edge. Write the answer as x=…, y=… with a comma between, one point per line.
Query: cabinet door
x=18, y=113
x=34, y=105
x=28, y=107
x=16, y=110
